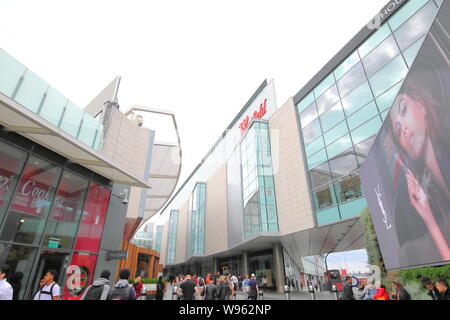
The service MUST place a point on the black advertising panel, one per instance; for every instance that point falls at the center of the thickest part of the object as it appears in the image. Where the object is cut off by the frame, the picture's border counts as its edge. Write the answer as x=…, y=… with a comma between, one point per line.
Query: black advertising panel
x=406, y=176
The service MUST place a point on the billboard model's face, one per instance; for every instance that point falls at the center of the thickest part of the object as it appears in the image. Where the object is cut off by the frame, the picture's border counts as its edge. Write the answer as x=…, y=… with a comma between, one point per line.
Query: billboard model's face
x=408, y=118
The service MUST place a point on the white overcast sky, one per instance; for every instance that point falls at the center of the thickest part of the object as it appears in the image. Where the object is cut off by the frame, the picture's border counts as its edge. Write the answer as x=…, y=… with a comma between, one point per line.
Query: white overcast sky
x=201, y=59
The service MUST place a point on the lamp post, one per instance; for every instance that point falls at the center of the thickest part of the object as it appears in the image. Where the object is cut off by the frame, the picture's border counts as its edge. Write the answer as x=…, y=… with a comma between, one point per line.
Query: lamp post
x=326, y=269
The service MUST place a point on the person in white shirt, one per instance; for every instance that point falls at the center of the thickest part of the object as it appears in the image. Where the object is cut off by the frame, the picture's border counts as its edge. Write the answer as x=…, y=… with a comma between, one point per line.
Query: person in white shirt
x=6, y=291
x=235, y=282
x=49, y=289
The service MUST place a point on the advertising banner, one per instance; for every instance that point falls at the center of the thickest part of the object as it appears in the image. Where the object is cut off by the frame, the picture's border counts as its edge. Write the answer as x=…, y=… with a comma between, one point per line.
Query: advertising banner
x=406, y=176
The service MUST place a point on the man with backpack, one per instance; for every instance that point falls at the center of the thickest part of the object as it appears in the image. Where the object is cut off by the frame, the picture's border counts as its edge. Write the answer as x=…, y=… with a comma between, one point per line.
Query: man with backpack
x=122, y=290
x=49, y=289
x=99, y=289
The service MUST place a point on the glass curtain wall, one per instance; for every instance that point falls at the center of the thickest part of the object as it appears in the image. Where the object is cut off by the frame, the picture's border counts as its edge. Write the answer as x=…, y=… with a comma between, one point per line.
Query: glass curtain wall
x=158, y=238
x=172, y=236
x=260, y=211
x=341, y=116
x=197, y=208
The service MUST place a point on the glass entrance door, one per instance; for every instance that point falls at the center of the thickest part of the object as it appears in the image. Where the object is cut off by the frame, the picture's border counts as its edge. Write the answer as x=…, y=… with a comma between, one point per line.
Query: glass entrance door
x=49, y=260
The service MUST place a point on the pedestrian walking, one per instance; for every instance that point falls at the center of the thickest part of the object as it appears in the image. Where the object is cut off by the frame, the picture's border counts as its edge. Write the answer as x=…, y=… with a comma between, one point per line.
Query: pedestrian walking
x=99, y=289
x=235, y=284
x=347, y=291
x=160, y=289
x=210, y=291
x=6, y=290
x=137, y=286
x=399, y=292
x=188, y=288
x=253, y=290
x=245, y=287
x=432, y=291
x=122, y=289
x=49, y=289
x=381, y=292
x=444, y=291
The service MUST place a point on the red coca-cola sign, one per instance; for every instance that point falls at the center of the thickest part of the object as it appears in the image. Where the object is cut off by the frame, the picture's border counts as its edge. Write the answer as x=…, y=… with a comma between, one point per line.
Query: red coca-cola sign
x=258, y=114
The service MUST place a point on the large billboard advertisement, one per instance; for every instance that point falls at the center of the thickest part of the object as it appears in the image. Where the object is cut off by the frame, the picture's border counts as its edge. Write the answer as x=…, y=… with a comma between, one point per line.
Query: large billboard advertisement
x=406, y=176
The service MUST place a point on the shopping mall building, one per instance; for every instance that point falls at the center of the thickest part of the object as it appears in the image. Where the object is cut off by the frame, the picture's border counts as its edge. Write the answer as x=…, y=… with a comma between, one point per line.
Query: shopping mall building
x=75, y=183
x=282, y=184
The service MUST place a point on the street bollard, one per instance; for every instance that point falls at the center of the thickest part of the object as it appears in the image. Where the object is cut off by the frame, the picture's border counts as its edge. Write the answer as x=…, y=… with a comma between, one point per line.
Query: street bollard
x=174, y=293
x=335, y=292
x=312, y=294
x=287, y=293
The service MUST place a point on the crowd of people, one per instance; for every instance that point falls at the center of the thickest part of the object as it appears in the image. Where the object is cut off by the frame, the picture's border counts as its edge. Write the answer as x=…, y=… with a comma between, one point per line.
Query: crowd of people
x=217, y=287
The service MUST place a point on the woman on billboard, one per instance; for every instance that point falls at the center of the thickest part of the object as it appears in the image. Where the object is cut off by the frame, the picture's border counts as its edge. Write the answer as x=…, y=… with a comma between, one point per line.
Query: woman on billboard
x=420, y=131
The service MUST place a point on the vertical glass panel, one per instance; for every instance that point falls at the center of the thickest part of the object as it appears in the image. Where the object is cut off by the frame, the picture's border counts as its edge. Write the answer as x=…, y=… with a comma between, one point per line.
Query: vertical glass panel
x=352, y=208
x=302, y=105
x=346, y=65
x=405, y=12
x=324, y=197
x=368, y=129
x=335, y=133
x=416, y=27
x=88, y=130
x=317, y=159
x=381, y=55
x=320, y=175
x=94, y=215
x=20, y=261
x=11, y=71
x=31, y=91
x=362, y=115
x=343, y=164
x=311, y=132
x=386, y=100
x=72, y=119
x=66, y=212
x=324, y=85
x=351, y=79
x=411, y=53
x=328, y=216
x=357, y=98
x=339, y=146
x=328, y=99
x=389, y=75
x=307, y=116
x=362, y=149
x=314, y=146
x=81, y=278
x=332, y=117
x=374, y=40
x=348, y=188
x=31, y=203
x=53, y=106
x=99, y=138
x=11, y=164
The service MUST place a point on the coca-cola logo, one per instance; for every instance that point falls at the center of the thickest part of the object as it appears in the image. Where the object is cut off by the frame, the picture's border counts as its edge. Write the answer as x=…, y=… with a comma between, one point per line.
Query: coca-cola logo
x=256, y=115
x=29, y=188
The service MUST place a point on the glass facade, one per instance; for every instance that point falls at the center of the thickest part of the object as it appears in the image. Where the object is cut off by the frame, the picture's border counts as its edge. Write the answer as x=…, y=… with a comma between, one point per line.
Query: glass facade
x=172, y=236
x=25, y=87
x=158, y=238
x=342, y=115
x=51, y=217
x=197, y=211
x=260, y=210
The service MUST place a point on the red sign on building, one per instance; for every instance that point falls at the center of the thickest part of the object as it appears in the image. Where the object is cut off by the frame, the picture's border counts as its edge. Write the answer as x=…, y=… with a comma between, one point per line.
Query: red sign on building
x=258, y=114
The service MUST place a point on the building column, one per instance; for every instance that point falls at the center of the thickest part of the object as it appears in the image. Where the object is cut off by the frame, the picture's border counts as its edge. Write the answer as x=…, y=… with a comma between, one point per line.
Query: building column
x=278, y=267
x=151, y=267
x=244, y=263
x=215, y=265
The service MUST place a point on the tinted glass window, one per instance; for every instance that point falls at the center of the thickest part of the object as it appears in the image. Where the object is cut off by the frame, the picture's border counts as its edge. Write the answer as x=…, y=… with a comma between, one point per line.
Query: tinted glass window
x=307, y=116
x=389, y=75
x=348, y=188
x=311, y=132
x=314, y=146
x=324, y=85
x=343, y=164
x=335, y=133
x=357, y=98
x=362, y=149
x=324, y=197
x=351, y=79
x=332, y=117
x=381, y=55
x=327, y=100
x=368, y=129
x=302, y=105
x=339, y=146
x=362, y=115
x=320, y=175
x=346, y=65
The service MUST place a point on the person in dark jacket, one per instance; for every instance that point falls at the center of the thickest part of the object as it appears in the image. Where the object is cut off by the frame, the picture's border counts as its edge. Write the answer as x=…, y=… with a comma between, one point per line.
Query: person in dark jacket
x=398, y=292
x=221, y=289
x=347, y=291
x=432, y=291
x=102, y=282
x=122, y=290
x=444, y=291
x=211, y=291
x=160, y=289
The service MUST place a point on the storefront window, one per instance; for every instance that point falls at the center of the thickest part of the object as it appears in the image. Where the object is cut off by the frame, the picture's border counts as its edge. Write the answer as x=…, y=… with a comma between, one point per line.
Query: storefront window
x=66, y=212
x=94, y=215
x=11, y=163
x=19, y=260
x=80, y=274
x=31, y=203
x=348, y=188
x=324, y=197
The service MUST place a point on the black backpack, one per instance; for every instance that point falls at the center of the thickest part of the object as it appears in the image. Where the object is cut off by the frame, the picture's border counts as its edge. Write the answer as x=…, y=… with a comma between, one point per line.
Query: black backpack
x=94, y=293
x=121, y=293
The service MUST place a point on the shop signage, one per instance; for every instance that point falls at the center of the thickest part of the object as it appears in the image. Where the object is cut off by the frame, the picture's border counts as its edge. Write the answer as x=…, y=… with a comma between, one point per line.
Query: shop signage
x=5, y=182
x=384, y=14
x=30, y=188
x=117, y=255
x=54, y=242
x=258, y=114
